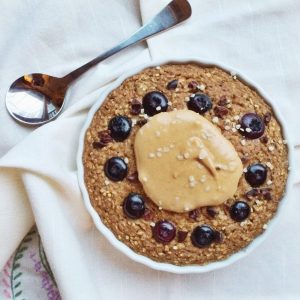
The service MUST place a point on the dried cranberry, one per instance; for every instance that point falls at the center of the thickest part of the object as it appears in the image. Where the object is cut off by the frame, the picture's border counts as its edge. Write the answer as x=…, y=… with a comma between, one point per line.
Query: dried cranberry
x=193, y=86
x=148, y=215
x=98, y=145
x=211, y=211
x=264, y=139
x=252, y=193
x=267, y=117
x=181, y=236
x=220, y=111
x=172, y=85
x=141, y=122
x=194, y=214
x=104, y=133
x=267, y=196
x=266, y=193
x=219, y=237
x=136, y=107
x=105, y=138
x=244, y=159
x=133, y=177
x=223, y=101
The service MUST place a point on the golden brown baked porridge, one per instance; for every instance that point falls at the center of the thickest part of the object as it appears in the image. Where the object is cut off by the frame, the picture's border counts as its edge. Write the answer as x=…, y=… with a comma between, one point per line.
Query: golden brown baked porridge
x=232, y=226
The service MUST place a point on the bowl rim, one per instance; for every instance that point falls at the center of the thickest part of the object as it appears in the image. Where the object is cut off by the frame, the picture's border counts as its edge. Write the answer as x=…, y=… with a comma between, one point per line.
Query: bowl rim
x=189, y=269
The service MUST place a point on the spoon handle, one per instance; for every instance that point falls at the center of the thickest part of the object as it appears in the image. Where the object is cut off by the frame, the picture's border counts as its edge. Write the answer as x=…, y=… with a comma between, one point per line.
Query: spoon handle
x=174, y=13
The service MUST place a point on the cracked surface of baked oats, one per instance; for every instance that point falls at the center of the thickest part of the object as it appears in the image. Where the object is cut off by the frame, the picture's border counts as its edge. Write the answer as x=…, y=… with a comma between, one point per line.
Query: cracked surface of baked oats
x=231, y=99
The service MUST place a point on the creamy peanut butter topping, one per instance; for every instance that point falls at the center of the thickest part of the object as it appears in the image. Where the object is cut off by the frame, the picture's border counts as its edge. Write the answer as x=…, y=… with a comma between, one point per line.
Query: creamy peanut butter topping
x=184, y=161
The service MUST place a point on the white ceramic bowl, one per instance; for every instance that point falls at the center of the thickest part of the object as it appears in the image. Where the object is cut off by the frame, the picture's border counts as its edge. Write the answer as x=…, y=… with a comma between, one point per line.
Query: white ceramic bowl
x=143, y=259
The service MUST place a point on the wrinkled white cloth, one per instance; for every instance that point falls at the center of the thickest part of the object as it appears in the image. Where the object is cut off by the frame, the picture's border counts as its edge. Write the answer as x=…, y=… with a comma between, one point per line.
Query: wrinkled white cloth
x=38, y=177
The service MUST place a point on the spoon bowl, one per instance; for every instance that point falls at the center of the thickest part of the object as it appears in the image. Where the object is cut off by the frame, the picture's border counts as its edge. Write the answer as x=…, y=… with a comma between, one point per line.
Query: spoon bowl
x=36, y=98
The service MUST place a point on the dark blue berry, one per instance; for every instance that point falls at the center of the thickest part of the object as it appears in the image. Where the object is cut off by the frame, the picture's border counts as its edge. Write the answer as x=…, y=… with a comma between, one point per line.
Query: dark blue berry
x=134, y=206
x=239, y=211
x=154, y=103
x=200, y=103
x=115, y=169
x=256, y=175
x=120, y=127
x=252, y=126
x=164, y=231
x=203, y=236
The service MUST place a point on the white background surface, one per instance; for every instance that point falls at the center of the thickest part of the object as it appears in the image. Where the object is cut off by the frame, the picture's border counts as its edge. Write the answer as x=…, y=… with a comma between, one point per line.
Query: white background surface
x=261, y=38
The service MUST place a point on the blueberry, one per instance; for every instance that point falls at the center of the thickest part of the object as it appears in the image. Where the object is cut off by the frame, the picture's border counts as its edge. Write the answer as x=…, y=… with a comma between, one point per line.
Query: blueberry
x=115, y=169
x=154, y=103
x=252, y=126
x=203, y=236
x=239, y=211
x=200, y=103
x=193, y=86
x=256, y=175
x=134, y=206
x=267, y=117
x=120, y=127
x=164, y=231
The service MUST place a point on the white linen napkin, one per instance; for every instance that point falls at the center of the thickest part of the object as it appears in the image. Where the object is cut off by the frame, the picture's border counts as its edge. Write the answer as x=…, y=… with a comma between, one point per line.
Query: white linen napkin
x=38, y=173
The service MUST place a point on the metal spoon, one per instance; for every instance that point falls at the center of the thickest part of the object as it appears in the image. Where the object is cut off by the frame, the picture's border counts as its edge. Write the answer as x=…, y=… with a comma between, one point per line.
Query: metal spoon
x=38, y=98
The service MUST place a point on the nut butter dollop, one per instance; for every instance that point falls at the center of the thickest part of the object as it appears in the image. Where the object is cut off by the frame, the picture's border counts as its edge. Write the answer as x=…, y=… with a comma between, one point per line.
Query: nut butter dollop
x=184, y=161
